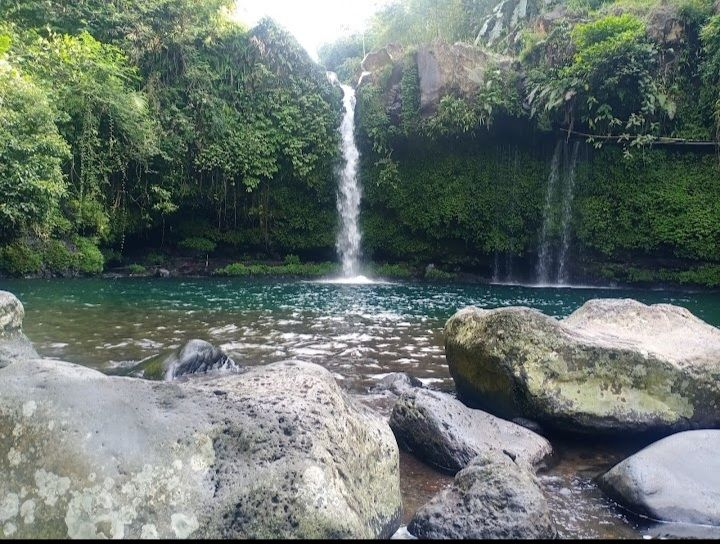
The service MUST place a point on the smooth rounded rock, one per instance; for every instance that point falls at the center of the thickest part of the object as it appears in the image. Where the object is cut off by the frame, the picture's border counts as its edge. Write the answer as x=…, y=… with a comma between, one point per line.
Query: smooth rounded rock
x=442, y=431
x=676, y=479
x=494, y=497
x=612, y=366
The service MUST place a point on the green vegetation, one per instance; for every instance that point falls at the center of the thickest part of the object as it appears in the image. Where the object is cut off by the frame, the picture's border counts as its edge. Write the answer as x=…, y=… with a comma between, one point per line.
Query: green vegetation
x=287, y=269
x=161, y=124
x=137, y=269
x=123, y=123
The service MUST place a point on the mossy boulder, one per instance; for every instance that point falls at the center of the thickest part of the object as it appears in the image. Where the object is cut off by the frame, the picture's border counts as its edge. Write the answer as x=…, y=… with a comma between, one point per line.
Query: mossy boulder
x=612, y=366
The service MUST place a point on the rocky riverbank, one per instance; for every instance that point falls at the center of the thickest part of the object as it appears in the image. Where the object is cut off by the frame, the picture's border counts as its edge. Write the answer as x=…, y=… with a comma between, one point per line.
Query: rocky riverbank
x=214, y=448
x=277, y=451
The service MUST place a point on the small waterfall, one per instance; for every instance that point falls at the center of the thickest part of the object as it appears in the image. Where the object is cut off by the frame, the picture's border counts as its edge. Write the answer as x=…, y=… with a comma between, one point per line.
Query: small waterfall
x=552, y=264
x=542, y=270
x=496, y=268
x=348, y=199
x=562, y=276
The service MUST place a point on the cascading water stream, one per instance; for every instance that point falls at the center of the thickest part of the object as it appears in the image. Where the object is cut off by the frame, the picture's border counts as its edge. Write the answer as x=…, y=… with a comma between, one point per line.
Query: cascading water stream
x=349, y=194
x=542, y=270
x=562, y=276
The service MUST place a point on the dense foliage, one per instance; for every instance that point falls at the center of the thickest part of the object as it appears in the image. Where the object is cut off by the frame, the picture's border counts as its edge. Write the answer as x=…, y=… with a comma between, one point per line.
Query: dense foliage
x=156, y=127
x=158, y=123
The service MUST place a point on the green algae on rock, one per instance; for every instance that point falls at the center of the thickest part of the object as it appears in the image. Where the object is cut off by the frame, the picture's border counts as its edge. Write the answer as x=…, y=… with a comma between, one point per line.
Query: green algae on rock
x=612, y=366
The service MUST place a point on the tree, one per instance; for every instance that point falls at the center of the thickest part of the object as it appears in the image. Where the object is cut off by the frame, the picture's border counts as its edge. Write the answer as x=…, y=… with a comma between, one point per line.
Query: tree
x=31, y=155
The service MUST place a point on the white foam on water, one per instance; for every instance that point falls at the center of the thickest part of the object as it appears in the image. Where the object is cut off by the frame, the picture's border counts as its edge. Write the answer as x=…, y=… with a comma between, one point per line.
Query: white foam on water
x=352, y=280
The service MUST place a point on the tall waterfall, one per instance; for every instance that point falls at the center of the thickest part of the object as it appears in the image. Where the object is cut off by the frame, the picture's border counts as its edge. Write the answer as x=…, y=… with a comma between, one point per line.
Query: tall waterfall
x=562, y=275
x=348, y=198
x=552, y=264
x=542, y=270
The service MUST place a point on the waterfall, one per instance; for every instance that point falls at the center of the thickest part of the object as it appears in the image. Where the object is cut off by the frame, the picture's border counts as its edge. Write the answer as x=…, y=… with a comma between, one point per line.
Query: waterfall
x=496, y=268
x=542, y=270
x=554, y=264
x=562, y=276
x=348, y=197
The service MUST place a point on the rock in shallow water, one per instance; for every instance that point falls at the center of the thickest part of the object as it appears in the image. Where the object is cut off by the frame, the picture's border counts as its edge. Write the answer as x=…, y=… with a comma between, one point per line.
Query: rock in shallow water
x=397, y=383
x=277, y=452
x=195, y=357
x=612, y=366
x=493, y=497
x=447, y=434
x=675, y=479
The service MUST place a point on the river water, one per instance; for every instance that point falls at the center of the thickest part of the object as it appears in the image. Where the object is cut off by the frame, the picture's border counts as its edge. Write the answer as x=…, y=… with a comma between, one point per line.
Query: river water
x=359, y=332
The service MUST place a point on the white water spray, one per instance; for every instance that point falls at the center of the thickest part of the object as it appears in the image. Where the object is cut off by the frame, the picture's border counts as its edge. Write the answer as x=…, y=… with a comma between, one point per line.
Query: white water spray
x=348, y=198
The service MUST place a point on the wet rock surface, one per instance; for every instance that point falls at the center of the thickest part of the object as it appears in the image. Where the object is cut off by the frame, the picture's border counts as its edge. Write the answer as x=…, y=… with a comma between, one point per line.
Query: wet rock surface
x=279, y=451
x=676, y=479
x=493, y=497
x=613, y=366
x=448, y=435
x=195, y=357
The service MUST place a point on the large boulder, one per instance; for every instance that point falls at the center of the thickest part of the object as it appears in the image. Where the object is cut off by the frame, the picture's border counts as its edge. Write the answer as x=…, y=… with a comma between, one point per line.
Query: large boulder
x=13, y=343
x=445, y=433
x=676, y=479
x=612, y=366
x=277, y=452
x=494, y=497
x=458, y=69
x=194, y=357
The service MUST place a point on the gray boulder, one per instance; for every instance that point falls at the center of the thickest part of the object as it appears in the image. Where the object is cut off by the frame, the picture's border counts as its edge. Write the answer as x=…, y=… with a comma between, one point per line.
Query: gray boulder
x=397, y=383
x=13, y=343
x=458, y=69
x=445, y=433
x=195, y=357
x=612, y=366
x=494, y=497
x=277, y=452
x=675, y=479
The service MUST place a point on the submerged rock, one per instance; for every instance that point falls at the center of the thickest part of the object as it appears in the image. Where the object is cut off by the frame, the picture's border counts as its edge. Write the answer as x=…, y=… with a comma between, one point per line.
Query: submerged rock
x=494, y=497
x=676, y=479
x=195, y=357
x=612, y=366
x=277, y=452
x=445, y=433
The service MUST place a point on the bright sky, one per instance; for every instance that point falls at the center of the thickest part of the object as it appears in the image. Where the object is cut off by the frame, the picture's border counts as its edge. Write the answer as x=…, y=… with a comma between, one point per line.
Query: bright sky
x=312, y=22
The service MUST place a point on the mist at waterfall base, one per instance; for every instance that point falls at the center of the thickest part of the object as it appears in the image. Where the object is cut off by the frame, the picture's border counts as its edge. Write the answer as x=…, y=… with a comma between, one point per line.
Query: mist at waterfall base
x=349, y=194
